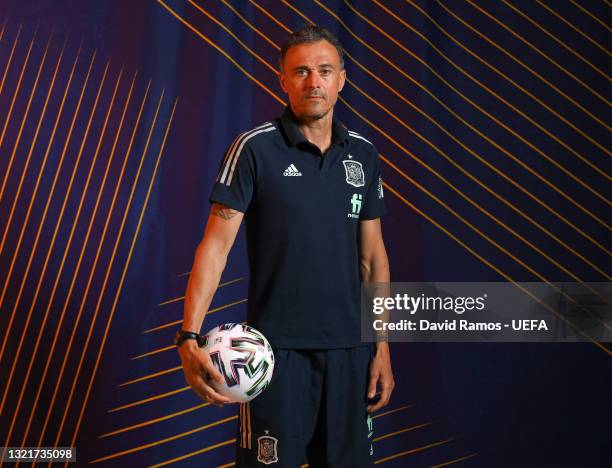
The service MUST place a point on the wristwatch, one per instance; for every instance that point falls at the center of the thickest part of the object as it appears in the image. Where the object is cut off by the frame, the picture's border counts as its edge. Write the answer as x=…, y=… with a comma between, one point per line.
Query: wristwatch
x=182, y=336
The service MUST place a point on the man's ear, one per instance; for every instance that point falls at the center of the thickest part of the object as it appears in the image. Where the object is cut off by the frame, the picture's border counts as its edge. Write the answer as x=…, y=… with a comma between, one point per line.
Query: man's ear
x=281, y=80
x=342, y=79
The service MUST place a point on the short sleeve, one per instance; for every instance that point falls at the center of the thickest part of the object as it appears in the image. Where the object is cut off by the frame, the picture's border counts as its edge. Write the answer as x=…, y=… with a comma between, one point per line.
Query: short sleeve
x=374, y=206
x=236, y=179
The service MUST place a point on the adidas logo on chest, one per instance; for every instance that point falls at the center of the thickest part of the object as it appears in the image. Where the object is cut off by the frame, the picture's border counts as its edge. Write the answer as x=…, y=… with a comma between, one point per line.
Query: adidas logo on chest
x=292, y=171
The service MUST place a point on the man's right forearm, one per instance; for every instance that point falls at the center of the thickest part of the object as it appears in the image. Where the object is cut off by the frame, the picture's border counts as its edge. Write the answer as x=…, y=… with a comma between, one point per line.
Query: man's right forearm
x=208, y=265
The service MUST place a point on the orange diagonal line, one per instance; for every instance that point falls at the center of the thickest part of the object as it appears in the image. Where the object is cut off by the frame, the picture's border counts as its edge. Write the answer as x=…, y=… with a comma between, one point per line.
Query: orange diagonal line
x=587, y=12
x=75, y=167
x=153, y=398
x=579, y=31
x=547, y=57
x=197, y=452
x=49, y=250
x=23, y=67
x=267, y=13
x=107, y=274
x=155, y=351
x=524, y=65
x=401, y=431
x=127, y=262
x=227, y=465
x=395, y=410
x=411, y=451
x=151, y=376
x=211, y=311
x=153, y=421
x=555, y=38
x=163, y=441
x=451, y=462
x=219, y=49
x=257, y=30
x=29, y=263
x=525, y=91
x=10, y=59
x=236, y=38
x=177, y=299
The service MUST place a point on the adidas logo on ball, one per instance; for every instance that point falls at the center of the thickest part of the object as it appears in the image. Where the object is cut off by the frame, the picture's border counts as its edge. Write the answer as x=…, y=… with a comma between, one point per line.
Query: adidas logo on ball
x=292, y=171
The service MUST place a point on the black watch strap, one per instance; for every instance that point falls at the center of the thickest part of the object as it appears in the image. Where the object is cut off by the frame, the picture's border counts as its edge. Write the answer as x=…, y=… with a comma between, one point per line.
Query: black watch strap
x=182, y=336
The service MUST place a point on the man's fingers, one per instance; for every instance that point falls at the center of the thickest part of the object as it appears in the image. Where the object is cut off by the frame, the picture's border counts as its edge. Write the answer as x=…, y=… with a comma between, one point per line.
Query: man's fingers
x=199, y=392
x=372, y=385
x=211, y=394
x=206, y=392
x=378, y=405
x=199, y=369
x=388, y=385
x=385, y=396
x=215, y=397
x=207, y=367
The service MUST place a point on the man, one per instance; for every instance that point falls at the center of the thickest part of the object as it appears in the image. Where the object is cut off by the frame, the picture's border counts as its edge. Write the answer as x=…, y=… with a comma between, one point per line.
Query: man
x=311, y=194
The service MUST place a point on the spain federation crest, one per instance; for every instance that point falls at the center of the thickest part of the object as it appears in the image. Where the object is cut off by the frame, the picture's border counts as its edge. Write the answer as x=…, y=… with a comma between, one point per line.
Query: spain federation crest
x=267, y=449
x=354, y=173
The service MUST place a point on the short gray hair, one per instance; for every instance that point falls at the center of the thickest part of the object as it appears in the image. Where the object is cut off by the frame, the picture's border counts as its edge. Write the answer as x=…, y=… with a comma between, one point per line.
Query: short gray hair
x=307, y=34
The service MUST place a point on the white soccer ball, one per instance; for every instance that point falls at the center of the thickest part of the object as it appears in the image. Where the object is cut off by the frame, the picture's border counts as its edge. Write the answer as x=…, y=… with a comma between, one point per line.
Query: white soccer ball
x=244, y=358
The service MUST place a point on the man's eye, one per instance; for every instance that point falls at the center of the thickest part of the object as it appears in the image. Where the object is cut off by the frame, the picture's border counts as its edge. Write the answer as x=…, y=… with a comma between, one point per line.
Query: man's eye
x=325, y=72
x=301, y=72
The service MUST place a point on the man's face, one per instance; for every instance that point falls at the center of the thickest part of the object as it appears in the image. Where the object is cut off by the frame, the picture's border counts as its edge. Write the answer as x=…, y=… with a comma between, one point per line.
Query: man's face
x=312, y=79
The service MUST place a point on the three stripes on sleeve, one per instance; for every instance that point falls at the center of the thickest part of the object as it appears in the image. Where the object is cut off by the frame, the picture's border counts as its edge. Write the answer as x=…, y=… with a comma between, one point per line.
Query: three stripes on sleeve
x=228, y=167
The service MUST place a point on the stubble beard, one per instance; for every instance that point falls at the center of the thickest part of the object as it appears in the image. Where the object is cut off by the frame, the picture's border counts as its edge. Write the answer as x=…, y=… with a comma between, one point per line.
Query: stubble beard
x=316, y=114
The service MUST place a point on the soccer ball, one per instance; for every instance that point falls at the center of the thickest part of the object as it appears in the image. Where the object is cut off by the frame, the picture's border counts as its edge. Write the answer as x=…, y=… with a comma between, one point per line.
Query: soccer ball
x=244, y=358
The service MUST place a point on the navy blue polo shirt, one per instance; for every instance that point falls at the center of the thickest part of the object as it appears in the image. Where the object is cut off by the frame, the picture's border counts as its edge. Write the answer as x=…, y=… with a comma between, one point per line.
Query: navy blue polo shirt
x=302, y=212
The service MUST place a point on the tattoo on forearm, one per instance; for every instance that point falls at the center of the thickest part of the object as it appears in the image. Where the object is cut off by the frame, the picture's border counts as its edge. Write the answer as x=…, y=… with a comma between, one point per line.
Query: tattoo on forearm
x=224, y=212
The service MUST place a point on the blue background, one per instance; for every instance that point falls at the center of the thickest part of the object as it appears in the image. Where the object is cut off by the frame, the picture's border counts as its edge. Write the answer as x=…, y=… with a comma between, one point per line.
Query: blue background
x=491, y=121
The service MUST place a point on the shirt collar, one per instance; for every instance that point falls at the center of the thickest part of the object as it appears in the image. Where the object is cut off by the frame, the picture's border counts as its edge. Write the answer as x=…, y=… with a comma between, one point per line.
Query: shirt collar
x=290, y=126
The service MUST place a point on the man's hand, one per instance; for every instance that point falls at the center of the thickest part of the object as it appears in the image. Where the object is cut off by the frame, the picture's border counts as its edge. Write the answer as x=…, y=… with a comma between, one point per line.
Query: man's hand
x=196, y=364
x=381, y=373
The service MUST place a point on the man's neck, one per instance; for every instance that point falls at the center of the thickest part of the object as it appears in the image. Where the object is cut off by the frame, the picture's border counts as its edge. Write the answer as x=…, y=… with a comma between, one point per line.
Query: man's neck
x=318, y=132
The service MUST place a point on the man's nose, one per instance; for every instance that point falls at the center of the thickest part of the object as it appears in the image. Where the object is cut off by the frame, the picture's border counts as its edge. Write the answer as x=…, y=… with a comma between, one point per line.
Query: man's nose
x=313, y=80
